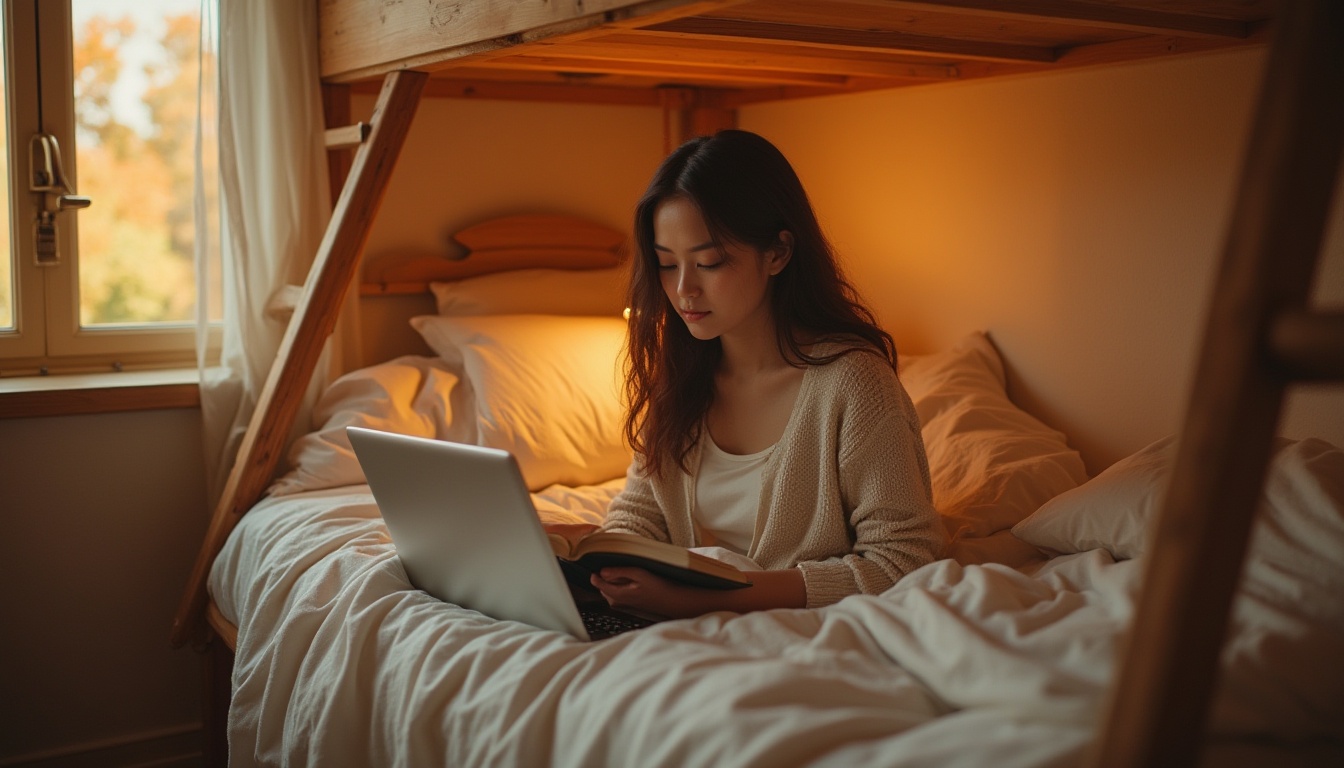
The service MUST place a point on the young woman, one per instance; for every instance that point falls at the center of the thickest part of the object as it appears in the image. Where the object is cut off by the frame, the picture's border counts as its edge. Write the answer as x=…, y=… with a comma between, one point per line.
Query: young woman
x=765, y=412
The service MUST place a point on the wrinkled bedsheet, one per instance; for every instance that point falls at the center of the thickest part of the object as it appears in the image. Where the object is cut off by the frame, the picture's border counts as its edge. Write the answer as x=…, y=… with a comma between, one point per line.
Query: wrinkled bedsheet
x=340, y=662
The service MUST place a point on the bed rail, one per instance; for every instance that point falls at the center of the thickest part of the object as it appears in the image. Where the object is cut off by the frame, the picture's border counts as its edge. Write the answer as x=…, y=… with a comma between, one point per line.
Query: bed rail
x=1260, y=337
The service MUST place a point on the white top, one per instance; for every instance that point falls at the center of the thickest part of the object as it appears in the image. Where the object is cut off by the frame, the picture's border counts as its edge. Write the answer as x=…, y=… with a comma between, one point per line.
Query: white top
x=728, y=494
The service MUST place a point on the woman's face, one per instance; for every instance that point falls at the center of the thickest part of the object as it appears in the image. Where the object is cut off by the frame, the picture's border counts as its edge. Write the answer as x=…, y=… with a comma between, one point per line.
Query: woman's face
x=719, y=292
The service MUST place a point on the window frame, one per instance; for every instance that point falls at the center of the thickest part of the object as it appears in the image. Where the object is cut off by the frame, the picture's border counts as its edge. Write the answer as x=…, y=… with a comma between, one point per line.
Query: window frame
x=48, y=337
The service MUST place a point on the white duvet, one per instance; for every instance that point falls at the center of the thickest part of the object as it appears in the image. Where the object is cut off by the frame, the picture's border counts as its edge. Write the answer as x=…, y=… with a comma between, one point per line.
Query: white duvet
x=340, y=662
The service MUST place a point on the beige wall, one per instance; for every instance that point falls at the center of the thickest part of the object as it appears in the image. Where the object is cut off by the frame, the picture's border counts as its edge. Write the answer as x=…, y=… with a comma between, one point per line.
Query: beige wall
x=473, y=160
x=102, y=516
x=1075, y=216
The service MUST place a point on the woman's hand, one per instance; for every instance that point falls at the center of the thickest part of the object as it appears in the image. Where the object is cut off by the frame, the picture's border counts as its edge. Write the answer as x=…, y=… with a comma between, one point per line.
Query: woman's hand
x=639, y=591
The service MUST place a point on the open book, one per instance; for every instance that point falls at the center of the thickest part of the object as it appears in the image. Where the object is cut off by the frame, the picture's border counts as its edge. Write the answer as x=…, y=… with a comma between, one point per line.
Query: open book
x=610, y=548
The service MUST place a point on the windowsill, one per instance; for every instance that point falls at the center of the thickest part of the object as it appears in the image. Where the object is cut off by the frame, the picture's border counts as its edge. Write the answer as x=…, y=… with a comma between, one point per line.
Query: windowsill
x=68, y=394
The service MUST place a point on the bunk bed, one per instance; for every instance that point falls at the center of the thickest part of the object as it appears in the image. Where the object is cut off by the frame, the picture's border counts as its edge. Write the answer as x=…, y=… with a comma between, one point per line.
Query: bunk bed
x=699, y=62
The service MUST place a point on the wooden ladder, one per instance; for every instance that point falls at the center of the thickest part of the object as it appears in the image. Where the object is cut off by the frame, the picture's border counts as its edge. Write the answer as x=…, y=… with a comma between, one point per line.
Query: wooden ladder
x=312, y=322
x=1261, y=336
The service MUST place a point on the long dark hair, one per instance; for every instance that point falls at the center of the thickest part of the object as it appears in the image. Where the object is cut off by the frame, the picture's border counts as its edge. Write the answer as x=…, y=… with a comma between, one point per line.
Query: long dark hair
x=747, y=193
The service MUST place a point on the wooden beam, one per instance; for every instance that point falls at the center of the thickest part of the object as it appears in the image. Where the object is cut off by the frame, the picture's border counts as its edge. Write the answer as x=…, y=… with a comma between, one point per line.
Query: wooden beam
x=1096, y=15
x=853, y=39
x=1132, y=49
x=363, y=40
x=654, y=47
x=1158, y=709
x=469, y=87
x=670, y=71
x=1148, y=47
x=311, y=324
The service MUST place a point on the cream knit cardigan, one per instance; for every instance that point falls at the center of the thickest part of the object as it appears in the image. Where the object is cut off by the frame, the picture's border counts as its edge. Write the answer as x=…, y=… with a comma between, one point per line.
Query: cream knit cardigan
x=845, y=497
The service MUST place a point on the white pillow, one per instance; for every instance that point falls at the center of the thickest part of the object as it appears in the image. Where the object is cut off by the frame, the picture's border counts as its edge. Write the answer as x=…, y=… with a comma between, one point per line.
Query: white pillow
x=990, y=462
x=547, y=389
x=592, y=292
x=1115, y=510
x=412, y=395
x=1111, y=511
x=1280, y=663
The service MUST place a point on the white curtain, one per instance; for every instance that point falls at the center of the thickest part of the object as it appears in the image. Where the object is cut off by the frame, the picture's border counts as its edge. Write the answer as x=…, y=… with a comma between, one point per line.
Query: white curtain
x=262, y=203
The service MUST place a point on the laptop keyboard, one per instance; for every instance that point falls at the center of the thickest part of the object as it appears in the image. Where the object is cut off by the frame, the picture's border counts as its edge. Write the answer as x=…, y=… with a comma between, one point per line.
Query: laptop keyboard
x=600, y=625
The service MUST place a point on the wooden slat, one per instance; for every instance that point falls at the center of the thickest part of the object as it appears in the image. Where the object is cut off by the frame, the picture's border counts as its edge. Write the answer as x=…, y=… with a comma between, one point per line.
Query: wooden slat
x=346, y=137
x=1149, y=46
x=1159, y=705
x=1103, y=16
x=311, y=324
x=645, y=46
x=561, y=93
x=336, y=111
x=1096, y=54
x=671, y=71
x=853, y=39
x=1309, y=346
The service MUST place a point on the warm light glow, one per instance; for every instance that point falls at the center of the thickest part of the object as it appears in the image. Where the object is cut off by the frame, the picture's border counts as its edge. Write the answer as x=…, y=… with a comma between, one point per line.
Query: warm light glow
x=625, y=313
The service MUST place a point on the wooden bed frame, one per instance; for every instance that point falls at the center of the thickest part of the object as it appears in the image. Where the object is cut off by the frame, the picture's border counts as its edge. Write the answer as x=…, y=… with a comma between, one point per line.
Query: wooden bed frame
x=701, y=60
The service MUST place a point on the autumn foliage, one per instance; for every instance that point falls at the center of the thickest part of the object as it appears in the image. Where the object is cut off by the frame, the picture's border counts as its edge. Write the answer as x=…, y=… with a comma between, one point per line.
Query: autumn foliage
x=136, y=241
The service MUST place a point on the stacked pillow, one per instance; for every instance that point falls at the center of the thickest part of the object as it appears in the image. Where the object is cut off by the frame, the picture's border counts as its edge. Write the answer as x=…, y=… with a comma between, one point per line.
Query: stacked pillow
x=591, y=292
x=530, y=362
x=527, y=361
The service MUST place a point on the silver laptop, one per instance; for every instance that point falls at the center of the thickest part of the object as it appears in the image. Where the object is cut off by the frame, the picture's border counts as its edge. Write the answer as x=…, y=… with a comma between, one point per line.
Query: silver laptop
x=467, y=533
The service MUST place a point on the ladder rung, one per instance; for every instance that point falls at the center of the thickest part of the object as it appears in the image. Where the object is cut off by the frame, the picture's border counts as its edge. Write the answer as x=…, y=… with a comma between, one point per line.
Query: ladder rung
x=347, y=136
x=1309, y=346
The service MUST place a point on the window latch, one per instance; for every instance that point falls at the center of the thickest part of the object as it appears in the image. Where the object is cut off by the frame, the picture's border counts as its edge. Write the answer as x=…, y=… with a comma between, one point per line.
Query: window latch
x=48, y=180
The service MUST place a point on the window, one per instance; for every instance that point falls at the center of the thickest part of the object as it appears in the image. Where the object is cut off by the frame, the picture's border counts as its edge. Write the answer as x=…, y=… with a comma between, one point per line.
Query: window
x=99, y=105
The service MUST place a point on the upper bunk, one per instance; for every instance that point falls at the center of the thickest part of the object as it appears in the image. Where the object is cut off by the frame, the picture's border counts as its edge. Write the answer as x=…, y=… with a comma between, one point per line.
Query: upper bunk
x=723, y=54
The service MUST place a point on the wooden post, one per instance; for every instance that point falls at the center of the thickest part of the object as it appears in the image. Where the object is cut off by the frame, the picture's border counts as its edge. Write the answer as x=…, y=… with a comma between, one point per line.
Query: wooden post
x=691, y=112
x=217, y=680
x=1159, y=704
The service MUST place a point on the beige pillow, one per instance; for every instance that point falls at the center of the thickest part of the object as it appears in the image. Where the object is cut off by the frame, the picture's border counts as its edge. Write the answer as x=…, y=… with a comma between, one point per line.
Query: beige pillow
x=991, y=463
x=547, y=389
